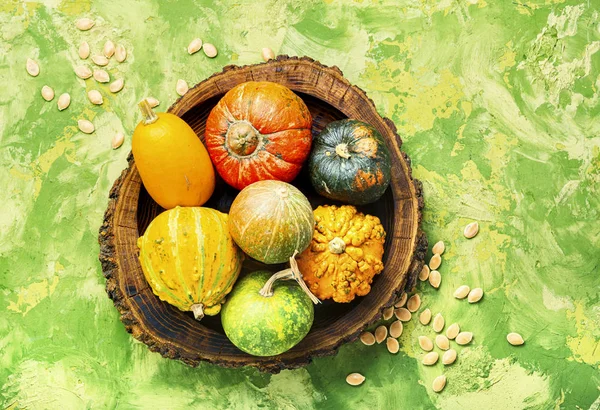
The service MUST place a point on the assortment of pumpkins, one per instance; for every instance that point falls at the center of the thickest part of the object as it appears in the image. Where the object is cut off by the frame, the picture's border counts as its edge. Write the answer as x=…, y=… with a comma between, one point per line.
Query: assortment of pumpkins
x=258, y=137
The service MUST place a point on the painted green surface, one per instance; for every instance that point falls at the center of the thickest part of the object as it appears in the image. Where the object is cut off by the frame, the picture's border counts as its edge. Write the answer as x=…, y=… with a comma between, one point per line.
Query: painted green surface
x=498, y=103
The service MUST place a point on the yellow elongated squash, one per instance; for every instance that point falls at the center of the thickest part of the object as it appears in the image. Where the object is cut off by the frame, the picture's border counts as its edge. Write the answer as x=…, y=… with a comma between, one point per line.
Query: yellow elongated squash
x=189, y=259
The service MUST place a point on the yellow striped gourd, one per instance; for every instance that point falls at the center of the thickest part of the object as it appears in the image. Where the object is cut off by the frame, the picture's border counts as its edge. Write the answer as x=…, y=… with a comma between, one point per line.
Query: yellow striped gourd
x=189, y=259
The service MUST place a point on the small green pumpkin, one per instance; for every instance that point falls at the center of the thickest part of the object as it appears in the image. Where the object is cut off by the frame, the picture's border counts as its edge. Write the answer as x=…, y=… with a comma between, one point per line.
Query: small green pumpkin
x=350, y=163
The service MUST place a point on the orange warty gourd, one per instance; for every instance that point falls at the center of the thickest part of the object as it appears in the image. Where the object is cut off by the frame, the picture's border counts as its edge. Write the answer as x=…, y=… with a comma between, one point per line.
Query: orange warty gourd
x=172, y=161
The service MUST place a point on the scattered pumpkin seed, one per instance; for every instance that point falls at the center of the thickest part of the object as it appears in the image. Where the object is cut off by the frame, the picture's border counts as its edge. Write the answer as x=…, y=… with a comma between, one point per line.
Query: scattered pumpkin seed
x=152, y=102
x=355, y=379
x=430, y=358
x=33, y=69
x=84, y=50
x=462, y=291
x=452, y=331
x=425, y=317
x=392, y=345
x=403, y=314
x=442, y=342
x=84, y=24
x=210, y=50
x=438, y=248
x=380, y=334
x=402, y=301
x=267, y=54
x=414, y=303
x=439, y=383
x=85, y=126
x=471, y=230
x=101, y=76
x=396, y=329
x=181, y=87
x=116, y=86
x=515, y=339
x=47, y=93
x=424, y=274
x=95, y=97
x=438, y=323
x=425, y=343
x=120, y=53
x=83, y=72
x=464, y=338
x=63, y=101
x=109, y=49
x=475, y=295
x=449, y=357
x=100, y=60
x=117, y=140
x=435, y=279
x=435, y=262
x=367, y=338
x=194, y=46
x=388, y=313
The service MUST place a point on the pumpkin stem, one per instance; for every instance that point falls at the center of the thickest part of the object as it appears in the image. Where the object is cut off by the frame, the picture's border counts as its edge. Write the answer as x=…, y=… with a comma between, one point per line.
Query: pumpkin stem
x=149, y=115
x=198, y=310
x=291, y=273
x=342, y=150
x=337, y=245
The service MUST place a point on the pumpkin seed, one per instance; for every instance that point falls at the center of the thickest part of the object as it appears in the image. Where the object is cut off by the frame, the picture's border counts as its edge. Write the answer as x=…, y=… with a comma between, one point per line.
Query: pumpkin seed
x=380, y=334
x=424, y=274
x=355, y=379
x=414, y=303
x=367, y=338
x=438, y=248
x=101, y=76
x=47, y=93
x=392, y=345
x=63, y=101
x=438, y=323
x=442, y=342
x=33, y=69
x=515, y=339
x=194, y=46
x=85, y=126
x=449, y=357
x=117, y=140
x=95, y=97
x=152, y=102
x=267, y=54
x=475, y=295
x=430, y=358
x=402, y=301
x=461, y=292
x=83, y=72
x=84, y=50
x=120, y=53
x=181, y=87
x=84, y=24
x=435, y=262
x=210, y=50
x=464, y=338
x=109, y=49
x=388, y=313
x=435, y=279
x=403, y=314
x=452, y=331
x=100, y=60
x=425, y=317
x=396, y=329
x=471, y=230
x=425, y=343
x=439, y=383
x=116, y=86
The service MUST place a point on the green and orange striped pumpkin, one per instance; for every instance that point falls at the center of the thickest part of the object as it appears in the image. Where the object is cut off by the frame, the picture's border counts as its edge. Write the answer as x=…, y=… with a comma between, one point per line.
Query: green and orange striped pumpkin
x=189, y=259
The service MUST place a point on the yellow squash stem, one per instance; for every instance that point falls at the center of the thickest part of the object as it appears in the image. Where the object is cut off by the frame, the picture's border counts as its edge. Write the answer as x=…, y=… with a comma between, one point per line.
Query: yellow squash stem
x=149, y=115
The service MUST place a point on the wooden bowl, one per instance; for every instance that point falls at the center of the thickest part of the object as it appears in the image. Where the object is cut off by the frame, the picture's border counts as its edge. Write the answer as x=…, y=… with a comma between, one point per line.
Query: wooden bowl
x=175, y=334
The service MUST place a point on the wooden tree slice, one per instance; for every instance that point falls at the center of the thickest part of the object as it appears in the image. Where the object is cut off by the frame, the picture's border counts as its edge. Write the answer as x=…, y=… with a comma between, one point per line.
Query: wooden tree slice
x=175, y=334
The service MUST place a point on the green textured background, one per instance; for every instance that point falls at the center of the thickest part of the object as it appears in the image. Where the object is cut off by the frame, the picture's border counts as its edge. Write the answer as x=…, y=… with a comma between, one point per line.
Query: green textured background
x=498, y=104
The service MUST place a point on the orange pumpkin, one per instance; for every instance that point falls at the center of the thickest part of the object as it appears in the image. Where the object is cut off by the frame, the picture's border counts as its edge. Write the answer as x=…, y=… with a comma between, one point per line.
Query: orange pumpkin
x=258, y=131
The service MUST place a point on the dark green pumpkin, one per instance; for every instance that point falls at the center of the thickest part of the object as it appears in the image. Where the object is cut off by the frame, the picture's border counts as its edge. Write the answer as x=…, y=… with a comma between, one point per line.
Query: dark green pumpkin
x=350, y=163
